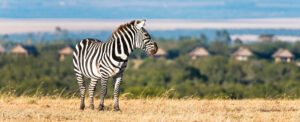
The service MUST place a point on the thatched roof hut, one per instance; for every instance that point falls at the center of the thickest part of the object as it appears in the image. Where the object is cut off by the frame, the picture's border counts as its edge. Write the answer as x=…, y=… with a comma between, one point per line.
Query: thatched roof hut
x=24, y=50
x=283, y=55
x=2, y=50
x=242, y=54
x=198, y=52
x=65, y=51
x=160, y=53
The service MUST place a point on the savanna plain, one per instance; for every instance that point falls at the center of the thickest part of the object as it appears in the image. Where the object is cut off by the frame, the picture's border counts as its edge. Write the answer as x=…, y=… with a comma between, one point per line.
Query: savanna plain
x=152, y=109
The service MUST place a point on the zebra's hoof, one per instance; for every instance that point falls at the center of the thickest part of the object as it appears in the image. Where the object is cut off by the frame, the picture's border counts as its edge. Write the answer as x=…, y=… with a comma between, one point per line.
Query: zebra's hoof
x=117, y=109
x=82, y=107
x=101, y=108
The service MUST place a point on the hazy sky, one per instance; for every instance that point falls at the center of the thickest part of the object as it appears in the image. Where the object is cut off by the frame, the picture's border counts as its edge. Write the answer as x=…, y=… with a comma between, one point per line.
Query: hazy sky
x=150, y=9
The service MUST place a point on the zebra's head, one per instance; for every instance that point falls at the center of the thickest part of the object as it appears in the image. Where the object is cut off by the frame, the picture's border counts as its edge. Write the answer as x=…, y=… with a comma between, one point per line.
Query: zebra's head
x=143, y=39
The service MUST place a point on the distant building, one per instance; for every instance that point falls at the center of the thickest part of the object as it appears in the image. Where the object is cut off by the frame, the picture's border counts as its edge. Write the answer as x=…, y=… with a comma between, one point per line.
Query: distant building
x=242, y=54
x=198, y=52
x=267, y=38
x=161, y=53
x=24, y=50
x=283, y=55
x=64, y=52
x=2, y=50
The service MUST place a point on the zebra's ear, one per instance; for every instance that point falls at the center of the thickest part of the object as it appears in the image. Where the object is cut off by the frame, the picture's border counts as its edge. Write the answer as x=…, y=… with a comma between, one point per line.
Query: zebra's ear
x=140, y=23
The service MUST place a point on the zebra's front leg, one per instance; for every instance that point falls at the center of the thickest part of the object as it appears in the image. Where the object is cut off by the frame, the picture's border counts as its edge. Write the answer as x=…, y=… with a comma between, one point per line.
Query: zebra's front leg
x=103, y=92
x=92, y=89
x=118, y=81
x=82, y=89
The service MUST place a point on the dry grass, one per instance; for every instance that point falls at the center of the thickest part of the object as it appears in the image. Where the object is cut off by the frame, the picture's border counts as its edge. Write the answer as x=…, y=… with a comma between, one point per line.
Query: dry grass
x=59, y=109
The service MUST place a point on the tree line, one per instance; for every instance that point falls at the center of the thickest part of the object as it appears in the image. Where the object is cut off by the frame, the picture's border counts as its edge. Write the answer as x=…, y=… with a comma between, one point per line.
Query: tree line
x=177, y=76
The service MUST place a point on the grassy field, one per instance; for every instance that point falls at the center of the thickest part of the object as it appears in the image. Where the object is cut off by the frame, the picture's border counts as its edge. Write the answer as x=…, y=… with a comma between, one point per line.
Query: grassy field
x=158, y=109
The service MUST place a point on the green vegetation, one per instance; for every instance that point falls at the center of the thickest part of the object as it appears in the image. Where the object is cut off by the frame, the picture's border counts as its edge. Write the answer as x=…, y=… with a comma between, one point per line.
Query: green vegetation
x=216, y=76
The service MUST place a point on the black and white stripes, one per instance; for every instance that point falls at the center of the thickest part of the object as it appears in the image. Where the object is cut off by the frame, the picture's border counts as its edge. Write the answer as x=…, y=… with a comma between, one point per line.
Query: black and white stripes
x=98, y=60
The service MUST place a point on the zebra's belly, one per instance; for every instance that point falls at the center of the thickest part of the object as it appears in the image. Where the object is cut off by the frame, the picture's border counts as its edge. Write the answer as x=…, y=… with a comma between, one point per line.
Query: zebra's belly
x=94, y=71
x=91, y=70
x=113, y=71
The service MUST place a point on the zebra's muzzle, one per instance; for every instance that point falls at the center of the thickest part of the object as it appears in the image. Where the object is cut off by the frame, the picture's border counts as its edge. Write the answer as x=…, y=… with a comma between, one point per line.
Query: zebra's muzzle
x=154, y=49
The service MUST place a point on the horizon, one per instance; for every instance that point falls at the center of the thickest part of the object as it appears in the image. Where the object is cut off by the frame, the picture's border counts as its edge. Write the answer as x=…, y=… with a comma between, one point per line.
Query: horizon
x=35, y=25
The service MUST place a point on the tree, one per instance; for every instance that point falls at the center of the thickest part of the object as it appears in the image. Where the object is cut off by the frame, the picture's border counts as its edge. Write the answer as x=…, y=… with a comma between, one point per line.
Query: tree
x=218, y=35
x=57, y=33
x=219, y=48
x=238, y=42
x=296, y=49
x=223, y=36
x=4, y=37
x=226, y=37
x=203, y=40
x=187, y=44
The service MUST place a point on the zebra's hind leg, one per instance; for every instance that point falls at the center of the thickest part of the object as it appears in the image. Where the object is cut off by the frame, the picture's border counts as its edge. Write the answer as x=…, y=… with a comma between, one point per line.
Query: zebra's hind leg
x=117, y=92
x=92, y=89
x=103, y=92
x=80, y=82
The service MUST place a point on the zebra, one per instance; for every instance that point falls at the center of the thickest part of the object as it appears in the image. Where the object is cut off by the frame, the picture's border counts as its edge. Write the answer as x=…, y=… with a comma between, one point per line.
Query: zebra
x=98, y=60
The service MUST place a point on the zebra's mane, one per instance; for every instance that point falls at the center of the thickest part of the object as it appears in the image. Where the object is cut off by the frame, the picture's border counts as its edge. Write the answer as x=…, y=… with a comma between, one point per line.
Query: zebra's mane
x=123, y=26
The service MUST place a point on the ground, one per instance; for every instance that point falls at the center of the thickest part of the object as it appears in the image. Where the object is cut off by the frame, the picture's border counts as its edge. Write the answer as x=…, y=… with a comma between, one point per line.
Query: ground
x=157, y=109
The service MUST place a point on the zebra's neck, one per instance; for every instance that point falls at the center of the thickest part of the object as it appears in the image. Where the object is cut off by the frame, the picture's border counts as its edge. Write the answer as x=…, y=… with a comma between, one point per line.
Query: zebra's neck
x=122, y=44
